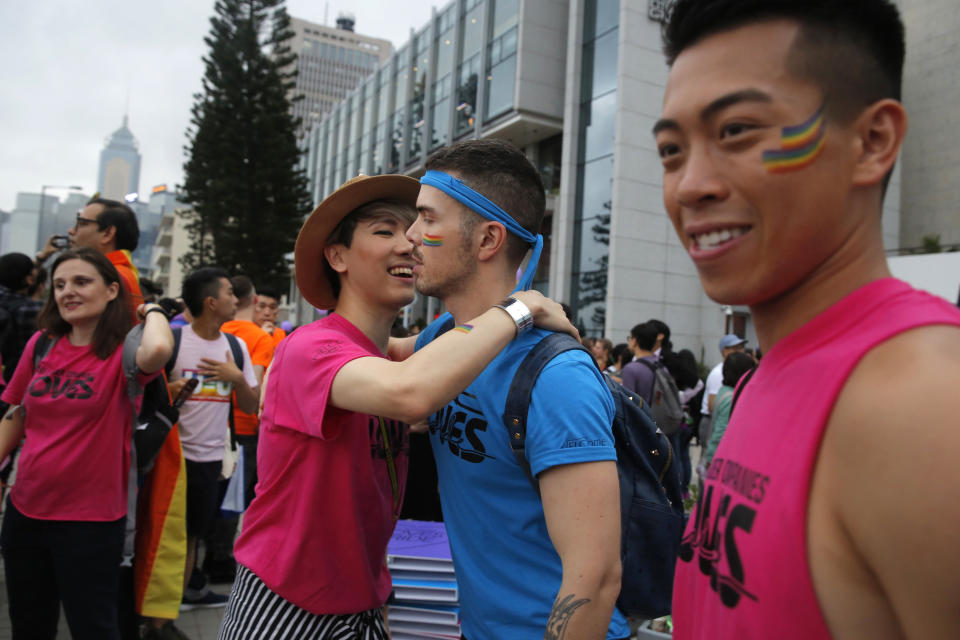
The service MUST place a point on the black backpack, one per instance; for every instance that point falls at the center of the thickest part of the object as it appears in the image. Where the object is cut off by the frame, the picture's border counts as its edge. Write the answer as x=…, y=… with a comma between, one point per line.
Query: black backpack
x=651, y=505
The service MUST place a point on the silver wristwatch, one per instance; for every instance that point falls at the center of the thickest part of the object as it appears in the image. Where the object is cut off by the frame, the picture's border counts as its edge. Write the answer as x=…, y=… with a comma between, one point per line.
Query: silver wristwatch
x=519, y=312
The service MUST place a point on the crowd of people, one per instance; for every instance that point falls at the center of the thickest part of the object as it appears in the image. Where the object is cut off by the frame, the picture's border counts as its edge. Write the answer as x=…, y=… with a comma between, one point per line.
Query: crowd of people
x=781, y=124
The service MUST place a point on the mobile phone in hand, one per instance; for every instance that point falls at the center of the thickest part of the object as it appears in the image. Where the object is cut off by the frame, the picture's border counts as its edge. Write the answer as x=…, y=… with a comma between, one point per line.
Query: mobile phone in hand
x=185, y=392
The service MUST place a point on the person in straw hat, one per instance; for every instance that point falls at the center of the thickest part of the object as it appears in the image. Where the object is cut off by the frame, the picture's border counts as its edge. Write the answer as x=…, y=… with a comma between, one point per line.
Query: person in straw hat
x=333, y=443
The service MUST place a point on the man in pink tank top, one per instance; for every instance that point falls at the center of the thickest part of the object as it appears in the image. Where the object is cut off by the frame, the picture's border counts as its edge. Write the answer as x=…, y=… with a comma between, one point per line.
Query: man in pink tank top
x=830, y=509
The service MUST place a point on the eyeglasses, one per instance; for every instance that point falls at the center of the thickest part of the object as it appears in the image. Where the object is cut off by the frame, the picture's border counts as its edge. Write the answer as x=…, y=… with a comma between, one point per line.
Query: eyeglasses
x=82, y=221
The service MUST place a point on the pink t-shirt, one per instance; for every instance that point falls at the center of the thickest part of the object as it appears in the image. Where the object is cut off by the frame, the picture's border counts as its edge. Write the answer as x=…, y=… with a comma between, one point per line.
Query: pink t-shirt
x=317, y=532
x=76, y=452
x=744, y=572
x=205, y=416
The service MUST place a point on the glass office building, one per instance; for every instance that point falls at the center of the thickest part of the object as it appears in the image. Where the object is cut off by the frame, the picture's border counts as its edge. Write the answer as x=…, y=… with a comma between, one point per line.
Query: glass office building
x=578, y=85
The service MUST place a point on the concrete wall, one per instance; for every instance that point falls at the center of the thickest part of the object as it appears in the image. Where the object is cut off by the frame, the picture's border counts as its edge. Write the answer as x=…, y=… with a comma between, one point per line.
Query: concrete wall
x=931, y=94
x=937, y=273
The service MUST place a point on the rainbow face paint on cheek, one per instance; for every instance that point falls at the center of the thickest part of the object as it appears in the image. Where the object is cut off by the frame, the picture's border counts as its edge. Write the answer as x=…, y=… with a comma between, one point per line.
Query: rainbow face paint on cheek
x=800, y=145
x=432, y=241
x=463, y=328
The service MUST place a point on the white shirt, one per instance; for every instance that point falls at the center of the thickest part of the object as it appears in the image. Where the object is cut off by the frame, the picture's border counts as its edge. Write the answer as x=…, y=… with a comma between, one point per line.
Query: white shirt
x=714, y=382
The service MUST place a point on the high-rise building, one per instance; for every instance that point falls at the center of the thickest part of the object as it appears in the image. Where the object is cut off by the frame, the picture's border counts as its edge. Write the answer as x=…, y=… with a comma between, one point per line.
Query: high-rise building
x=578, y=85
x=330, y=63
x=119, y=172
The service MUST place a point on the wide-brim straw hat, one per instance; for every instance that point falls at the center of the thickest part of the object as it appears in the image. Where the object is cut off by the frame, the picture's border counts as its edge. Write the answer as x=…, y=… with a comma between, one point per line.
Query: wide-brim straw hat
x=308, y=252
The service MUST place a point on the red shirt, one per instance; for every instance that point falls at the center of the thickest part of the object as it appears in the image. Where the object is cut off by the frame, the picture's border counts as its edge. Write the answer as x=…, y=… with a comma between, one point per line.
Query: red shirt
x=76, y=453
x=317, y=531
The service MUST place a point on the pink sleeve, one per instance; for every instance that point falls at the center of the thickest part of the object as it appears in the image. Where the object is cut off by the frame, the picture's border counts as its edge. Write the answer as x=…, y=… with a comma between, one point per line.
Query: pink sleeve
x=15, y=391
x=306, y=371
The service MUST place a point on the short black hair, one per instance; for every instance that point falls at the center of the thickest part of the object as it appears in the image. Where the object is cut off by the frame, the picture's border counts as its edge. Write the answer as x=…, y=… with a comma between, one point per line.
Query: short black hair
x=646, y=335
x=122, y=218
x=269, y=293
x=852, y=49
x=501, y=172
x=14, y=269
x=202, y=284
x=621, y=354
x=734, y=366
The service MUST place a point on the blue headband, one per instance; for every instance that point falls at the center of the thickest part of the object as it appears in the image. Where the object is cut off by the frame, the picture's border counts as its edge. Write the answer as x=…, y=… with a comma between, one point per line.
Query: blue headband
x=479, y=203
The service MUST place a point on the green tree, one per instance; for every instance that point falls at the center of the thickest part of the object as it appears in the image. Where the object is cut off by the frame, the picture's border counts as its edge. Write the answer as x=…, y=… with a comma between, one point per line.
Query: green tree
x=242, y=173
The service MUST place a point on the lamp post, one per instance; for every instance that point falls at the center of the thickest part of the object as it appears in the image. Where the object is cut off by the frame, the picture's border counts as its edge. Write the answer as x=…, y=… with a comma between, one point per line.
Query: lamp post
x=41, y=240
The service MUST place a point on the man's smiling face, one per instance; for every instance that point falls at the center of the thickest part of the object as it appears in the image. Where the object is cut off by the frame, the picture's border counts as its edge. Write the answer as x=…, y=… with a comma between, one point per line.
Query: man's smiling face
x=753, y=233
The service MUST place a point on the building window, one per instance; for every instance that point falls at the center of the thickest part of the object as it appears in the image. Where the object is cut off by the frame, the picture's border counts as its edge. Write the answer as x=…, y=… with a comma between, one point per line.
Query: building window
x=591, y=243
x=501, y=73
x=467, y=94
x=441, y=112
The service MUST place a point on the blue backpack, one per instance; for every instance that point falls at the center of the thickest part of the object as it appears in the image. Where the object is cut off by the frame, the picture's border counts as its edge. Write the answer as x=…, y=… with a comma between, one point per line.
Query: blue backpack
x=651, y=504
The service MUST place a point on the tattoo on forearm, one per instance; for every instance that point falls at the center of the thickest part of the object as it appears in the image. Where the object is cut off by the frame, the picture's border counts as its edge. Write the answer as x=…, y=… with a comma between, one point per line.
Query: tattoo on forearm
x=560, y=616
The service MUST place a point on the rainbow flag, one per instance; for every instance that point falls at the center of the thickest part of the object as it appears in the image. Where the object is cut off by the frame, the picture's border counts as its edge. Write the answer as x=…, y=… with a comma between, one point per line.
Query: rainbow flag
x=800, y=145
x=432, y=241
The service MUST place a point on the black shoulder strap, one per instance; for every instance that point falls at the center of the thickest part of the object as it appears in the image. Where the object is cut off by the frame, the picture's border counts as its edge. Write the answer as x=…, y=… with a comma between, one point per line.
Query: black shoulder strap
x=740, y=386
x=235, y=349
x=41, y=348
x=521, y=390
x=177, y=334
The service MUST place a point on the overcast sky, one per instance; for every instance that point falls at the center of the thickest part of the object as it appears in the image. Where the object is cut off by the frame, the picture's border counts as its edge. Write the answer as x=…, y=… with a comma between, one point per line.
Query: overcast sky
x=67, y=68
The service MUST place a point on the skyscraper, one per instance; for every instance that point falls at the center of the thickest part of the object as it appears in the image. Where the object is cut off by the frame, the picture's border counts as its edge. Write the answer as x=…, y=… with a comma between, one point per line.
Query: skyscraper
x=119, y=165
x=330, y=63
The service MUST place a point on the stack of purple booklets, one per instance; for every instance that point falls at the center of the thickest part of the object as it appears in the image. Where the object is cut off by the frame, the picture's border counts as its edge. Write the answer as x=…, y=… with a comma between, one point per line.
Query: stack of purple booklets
x=425, y=599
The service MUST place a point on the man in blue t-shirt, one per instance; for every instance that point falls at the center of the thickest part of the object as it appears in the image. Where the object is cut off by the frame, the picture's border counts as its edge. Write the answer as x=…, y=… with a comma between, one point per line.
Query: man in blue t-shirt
x=529, y=566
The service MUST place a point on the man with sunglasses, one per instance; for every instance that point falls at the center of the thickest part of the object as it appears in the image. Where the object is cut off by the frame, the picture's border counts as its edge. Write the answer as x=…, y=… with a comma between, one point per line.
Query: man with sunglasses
x=111, y=228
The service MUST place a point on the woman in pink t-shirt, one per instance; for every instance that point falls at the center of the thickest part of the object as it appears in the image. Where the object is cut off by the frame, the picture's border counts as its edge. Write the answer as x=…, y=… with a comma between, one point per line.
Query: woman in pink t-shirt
x=63, y=528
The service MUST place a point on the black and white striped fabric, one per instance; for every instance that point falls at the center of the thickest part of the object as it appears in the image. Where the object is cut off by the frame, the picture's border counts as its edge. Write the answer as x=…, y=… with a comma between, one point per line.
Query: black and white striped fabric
x=257, y=613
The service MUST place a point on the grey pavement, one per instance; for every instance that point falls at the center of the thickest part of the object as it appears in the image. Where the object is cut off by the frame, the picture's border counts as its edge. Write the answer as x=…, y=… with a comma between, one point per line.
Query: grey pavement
x=199, y=624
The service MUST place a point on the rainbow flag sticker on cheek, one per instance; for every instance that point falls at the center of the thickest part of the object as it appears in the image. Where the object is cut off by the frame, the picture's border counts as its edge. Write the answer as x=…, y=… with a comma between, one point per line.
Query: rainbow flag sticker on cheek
x=800, y=146
x=432, y=241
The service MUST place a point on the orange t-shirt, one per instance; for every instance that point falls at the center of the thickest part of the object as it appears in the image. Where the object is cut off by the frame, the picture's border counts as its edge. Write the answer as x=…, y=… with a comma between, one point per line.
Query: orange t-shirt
x=278, y=335
x=130, y=277
x=260, y=347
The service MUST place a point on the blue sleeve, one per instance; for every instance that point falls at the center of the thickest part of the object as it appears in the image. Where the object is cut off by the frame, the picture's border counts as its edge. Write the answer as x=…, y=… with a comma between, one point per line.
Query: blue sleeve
x=432, y=330
x=570, y=416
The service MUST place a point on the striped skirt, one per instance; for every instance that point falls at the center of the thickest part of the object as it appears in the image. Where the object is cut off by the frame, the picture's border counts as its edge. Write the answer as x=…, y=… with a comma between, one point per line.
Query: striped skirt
x=257, y=613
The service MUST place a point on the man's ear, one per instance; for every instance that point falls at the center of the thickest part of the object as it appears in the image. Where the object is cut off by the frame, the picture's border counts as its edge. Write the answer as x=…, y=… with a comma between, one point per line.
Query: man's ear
x=109, y=236
x=493, y=237
x=880, y=131
x=334, y=253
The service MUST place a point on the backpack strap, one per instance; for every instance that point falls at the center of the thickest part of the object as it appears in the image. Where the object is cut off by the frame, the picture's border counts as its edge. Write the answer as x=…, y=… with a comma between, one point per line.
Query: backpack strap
x=237, y=352
x=653, y=379
x=42, y=347
x=521, y=390
x=177, y=336
x=740, y=386
x=235, y=349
